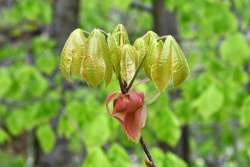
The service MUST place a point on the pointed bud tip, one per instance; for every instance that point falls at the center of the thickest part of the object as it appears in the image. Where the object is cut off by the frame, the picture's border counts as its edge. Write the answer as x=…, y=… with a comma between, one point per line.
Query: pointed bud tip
x=120, y=26
x=77, y=29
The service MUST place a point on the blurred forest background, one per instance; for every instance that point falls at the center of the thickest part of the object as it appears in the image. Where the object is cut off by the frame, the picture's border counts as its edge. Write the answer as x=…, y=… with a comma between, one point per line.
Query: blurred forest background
x=46, y=121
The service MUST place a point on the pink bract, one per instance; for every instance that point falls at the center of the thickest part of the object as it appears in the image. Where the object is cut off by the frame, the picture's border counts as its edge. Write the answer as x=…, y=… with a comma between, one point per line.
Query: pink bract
x=130, y=111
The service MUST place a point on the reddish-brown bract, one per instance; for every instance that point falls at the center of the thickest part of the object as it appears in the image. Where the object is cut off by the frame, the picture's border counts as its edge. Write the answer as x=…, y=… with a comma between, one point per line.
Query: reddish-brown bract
x=130, y=111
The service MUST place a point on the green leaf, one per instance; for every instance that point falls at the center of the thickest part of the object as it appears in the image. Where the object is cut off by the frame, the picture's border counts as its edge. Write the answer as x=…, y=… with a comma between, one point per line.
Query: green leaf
x=3, y=136
x=235, y=49
x=172, y=160
x=161, y=67
x=159, y=156
x=118, y=156
x=141, y=48
x=96, y=158
x=29, y=82
x=43, y=49
x=209, y=102
x=66, y=127
x=74, y=109
x=150, y=39
x=108, y=61
x=46, y=138
x=72, y=53
x=94, y=68
x=93, y=138
x=128, y=62
x=16, y=122
x=5, y=80
x=116, y=40
x=180, y=69
x=170, y=64
x=245, y=113
x=166, y=126
x=46, y=62
x=115, y=52
x=120, y=35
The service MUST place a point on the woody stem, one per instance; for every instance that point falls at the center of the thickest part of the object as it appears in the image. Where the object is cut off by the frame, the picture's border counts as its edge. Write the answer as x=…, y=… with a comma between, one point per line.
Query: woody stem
x=122, y=85
x=145, y=149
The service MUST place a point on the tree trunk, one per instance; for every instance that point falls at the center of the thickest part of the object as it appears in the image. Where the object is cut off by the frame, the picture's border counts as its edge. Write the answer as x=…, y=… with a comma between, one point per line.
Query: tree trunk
x=4, y=3
x=165, y=23
x=65, y=19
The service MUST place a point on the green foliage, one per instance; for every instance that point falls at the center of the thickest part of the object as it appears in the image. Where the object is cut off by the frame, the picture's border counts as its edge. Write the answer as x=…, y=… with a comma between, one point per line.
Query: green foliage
x=115, y=156
x=100, y=123
x=203, y=104
x=15, y=51
x=159, y=157
x=168, y=129
x=28, y=10
x=214, y=38
x=28, y=82
x=167, y=159
x=3, y=136
x=245, y=112
x=122, y=4
x=164, y=122
x=96, y=157
x=45, y=58
x=10, y=160
x=4, y=80
x=46, y=138
x=235, y=47
x=16, y=122
x=173, y=160
x=118, y=156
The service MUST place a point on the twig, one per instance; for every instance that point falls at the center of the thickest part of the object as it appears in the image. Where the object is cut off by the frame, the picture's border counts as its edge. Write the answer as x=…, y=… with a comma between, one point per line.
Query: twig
x=124, y=89
x=122, y=86
x=136, y=72
x=145, y=149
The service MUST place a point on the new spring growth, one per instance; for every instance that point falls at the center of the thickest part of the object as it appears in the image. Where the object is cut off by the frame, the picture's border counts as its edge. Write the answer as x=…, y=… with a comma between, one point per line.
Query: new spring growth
x=96, y=56
x=130, y=111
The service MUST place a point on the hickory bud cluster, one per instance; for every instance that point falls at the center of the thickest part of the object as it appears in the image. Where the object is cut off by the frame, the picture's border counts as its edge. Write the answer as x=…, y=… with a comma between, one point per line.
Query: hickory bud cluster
x=96, y=56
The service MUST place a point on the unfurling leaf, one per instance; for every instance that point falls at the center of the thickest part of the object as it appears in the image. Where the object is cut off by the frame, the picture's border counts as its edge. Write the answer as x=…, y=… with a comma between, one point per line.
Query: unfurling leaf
x=128, y=62
x=150, y=38
x=94, y=67
x=116, y=40
x=141, y=48
x=180, y=69
x=120, y=35
x=169, y=65
x=115, y=53
x=72, y=53
x=161, y=67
